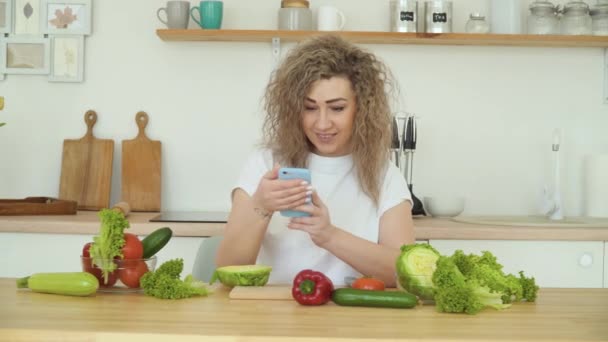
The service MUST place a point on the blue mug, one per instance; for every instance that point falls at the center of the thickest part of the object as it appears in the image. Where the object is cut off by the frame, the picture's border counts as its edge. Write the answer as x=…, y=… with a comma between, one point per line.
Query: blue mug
x=210, y=14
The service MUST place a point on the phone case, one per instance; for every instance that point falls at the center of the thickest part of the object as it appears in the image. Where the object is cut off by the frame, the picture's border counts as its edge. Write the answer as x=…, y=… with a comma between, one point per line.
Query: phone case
x=295, y=173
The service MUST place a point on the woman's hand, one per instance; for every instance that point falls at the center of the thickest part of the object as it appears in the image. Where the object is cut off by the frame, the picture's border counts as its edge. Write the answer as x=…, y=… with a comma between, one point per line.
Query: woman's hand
x=274, y=194
x=318, y=224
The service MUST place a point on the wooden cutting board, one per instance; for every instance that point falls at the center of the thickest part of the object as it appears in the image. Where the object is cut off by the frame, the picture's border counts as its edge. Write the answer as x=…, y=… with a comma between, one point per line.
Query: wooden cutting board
x=141, y=169
x=268, y=292
x=86, y=169
x=37, y=206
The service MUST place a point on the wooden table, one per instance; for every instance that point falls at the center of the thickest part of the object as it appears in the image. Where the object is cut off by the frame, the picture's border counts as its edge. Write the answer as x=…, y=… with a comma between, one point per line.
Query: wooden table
x=559, y=315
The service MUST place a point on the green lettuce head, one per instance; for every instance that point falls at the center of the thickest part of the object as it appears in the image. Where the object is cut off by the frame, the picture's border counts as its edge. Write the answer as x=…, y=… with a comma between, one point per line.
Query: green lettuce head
x=242, y=275
x=415, y=267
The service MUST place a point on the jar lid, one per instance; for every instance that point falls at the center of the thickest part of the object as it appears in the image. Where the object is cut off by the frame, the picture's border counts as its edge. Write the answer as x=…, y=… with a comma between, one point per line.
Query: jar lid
x=294, y=3
x=576, y=6
x=539, y=4
x=477, y=16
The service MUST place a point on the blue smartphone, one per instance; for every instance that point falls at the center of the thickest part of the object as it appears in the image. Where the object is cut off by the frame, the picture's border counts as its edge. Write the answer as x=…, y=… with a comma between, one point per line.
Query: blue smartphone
x=295, y=173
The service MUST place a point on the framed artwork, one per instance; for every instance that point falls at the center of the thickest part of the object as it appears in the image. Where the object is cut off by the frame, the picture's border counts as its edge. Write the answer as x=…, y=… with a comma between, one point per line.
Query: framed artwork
x=25, y=55
x=1, y=61
x=27, y=16
x=67, y=59
x=6, y=16
x=66, y=16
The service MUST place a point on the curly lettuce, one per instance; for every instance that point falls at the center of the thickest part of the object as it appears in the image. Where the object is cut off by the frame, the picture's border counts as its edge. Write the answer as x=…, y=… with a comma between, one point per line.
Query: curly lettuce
x=108, y=244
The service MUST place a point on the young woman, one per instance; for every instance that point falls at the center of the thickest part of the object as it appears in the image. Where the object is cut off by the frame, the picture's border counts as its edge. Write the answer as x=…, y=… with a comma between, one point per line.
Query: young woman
x=327, y=111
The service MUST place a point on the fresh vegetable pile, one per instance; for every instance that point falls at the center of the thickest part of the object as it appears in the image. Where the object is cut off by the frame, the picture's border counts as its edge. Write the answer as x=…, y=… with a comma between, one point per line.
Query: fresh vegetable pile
x=115, y=255
x=165, y=282
x=314, y=288
x=110, y=242
x=462, y=282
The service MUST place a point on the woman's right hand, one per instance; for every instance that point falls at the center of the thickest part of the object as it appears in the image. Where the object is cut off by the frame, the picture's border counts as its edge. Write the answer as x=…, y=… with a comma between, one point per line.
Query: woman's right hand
x=274, y=194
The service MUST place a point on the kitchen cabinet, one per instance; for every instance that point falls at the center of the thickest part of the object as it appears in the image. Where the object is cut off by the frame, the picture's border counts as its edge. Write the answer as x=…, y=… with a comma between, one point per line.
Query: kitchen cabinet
x=24, y=254
x=577, y=264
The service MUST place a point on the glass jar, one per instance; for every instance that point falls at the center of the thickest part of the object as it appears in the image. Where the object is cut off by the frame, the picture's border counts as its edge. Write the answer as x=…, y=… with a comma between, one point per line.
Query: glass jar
x=295, y=15
x=543, y=18
x=599, y=18
x=576, y=19
x=477, y=24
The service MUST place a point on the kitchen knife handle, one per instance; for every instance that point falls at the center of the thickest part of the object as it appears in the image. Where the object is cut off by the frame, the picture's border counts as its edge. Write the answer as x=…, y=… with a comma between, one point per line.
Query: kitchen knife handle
x=122, y=207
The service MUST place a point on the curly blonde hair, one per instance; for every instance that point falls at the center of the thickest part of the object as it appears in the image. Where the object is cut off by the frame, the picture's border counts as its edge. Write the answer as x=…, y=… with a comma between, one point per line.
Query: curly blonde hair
x=324, y=57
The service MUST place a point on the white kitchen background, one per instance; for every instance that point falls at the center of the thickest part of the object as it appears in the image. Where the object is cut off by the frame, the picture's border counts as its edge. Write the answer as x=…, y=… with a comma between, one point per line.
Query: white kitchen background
x=486, y=113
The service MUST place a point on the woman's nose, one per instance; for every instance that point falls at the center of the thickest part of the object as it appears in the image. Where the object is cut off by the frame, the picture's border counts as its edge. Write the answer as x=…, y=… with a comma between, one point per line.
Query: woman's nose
x=323, y=121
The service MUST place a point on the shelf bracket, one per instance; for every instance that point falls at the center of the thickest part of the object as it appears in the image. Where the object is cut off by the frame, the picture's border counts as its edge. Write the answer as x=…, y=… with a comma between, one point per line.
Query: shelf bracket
x=605, y=75
x=276, y=50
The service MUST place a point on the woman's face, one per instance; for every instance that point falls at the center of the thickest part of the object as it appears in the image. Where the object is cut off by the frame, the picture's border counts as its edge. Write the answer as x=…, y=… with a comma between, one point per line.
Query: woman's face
x=329, y=115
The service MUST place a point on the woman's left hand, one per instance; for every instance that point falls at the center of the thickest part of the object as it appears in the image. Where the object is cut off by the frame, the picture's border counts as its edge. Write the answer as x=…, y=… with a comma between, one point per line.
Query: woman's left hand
x=318, y=224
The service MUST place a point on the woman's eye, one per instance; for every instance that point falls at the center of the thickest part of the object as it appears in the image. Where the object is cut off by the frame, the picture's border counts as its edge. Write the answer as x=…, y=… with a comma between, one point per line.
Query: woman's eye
x=309, y=108
x=338, y=109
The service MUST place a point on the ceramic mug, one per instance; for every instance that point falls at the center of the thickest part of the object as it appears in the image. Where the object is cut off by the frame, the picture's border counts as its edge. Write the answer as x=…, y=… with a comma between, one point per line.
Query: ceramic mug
x=210, y=14
x=177, y=14
x=330, y=18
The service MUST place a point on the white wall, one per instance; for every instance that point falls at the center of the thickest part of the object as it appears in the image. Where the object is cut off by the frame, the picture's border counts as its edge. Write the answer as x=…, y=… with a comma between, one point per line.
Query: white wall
x=487, y=113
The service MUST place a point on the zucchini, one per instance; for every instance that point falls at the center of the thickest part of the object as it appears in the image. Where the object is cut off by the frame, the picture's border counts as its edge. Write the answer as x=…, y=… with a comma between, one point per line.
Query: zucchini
x=369, y=298
x=69, y=283
x=156, y=241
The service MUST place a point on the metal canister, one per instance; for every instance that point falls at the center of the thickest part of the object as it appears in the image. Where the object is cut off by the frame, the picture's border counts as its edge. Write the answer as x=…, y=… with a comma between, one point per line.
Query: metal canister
x=404, y=15
x=438, y=16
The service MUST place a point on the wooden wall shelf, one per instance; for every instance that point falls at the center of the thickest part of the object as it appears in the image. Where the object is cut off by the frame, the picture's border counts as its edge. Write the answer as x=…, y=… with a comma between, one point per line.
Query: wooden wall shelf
x=387, y=38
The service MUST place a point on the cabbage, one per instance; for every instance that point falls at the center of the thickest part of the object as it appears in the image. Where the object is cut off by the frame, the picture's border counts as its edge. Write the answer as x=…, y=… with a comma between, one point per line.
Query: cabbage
x=242, y=275
x=415, y=268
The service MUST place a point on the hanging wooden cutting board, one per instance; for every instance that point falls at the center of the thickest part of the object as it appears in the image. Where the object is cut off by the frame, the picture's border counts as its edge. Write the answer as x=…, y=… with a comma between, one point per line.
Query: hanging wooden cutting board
x=86, y=169
x=141, y=169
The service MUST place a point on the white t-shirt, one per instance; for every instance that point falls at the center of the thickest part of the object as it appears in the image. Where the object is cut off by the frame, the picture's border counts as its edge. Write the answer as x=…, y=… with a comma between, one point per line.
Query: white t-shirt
x=335, y=180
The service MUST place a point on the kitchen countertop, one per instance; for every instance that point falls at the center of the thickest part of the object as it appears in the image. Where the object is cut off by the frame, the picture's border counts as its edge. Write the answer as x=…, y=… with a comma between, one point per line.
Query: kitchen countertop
x=87, y=222
x=558, y=315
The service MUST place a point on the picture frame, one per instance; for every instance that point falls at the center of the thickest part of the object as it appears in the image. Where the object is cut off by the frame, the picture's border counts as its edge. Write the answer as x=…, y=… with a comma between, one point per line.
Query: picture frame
x=67, y=58
x=6, y=16
x=67, y=17
x=25, y=55
x=2, y=76
x=26, y=20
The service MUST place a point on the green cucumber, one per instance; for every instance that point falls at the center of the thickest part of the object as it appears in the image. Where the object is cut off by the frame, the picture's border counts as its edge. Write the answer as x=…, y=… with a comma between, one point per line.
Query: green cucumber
x=69, y=284
x=369, y=298
x=156, y=241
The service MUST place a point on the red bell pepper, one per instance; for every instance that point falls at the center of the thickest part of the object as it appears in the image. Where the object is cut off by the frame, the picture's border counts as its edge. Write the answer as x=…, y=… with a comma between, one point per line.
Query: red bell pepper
x=312, y=288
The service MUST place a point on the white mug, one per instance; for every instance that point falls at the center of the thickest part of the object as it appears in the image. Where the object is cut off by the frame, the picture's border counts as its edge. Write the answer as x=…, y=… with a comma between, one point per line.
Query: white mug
x=330, y=19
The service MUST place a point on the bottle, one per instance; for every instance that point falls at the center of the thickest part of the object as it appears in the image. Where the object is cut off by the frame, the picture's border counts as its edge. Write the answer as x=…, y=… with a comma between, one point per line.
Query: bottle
x=543, y=18
x=295, y=15
x=505, y=16
x=599, y=17
x=477, y=24
x=576, y=19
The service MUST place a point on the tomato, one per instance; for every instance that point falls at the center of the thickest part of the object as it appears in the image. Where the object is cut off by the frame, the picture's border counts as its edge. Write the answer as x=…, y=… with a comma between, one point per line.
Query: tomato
x=87, y=266
x=94, y=270
x=85, y=250
x=133, y=248
x=368, y=283
x=130, y=274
